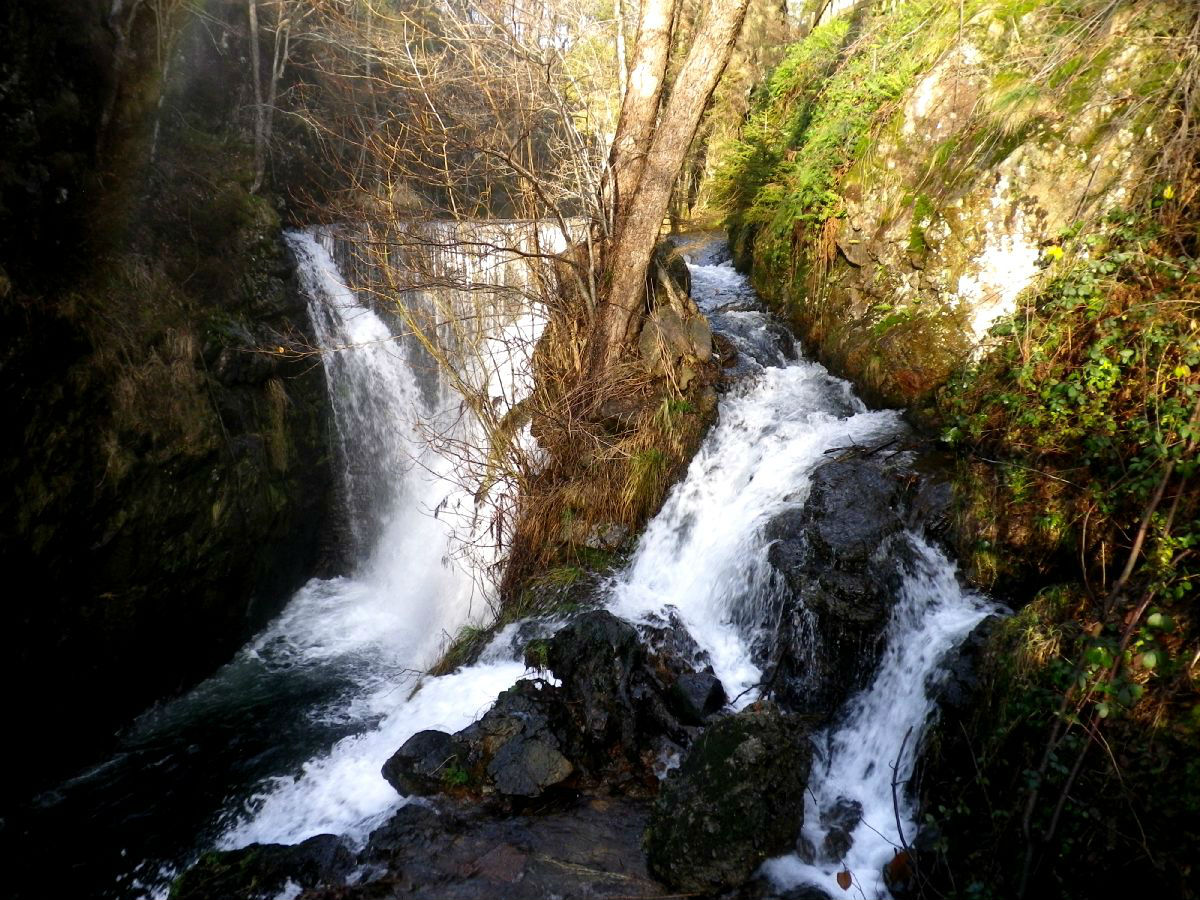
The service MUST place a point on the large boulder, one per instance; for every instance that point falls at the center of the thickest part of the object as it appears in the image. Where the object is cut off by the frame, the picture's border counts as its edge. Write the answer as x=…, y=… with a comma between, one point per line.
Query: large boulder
x=838, y=557
x=596, y=657
x=620, y=703
x=515, y=750
x=737, y=798
x=516, y=747
x=263, y=871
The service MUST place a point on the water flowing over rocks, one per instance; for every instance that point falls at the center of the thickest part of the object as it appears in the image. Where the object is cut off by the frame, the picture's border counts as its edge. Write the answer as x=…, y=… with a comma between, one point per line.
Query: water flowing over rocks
x=618, y=700
x=736, y=688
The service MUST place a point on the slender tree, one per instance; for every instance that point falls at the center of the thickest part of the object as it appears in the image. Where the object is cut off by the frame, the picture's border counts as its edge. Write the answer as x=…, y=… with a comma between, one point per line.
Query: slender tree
x=648, y=154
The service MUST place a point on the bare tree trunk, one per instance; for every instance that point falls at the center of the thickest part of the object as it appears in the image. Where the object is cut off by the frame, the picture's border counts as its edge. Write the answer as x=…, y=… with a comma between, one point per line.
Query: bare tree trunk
x=639, y=106
x=260, y=109
x=622, y=63
x=639, y=227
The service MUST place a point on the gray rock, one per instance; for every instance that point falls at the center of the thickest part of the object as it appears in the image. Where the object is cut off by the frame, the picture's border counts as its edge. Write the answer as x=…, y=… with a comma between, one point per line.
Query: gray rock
x=419, y=766
x=516, y=748
x=528, y=764
x=701, y=337
x=697, y=695
x=737, y=798
x=839, y=559
x=606, y=536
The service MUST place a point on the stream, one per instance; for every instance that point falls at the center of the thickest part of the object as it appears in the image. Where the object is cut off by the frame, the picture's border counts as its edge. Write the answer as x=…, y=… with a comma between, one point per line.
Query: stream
x=286, y=741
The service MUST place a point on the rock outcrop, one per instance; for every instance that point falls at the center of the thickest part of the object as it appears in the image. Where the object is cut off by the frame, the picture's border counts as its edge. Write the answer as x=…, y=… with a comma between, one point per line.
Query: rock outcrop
x=264, y=871
x=166, y=450
x=837, y=583
x=621, y=702
x=736, y=799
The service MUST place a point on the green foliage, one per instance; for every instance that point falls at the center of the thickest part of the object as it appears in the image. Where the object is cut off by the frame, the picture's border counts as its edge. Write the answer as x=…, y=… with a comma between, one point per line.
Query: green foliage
x=816, y=118
x=1087, y=409
x=455, y=775
x=1094, y=384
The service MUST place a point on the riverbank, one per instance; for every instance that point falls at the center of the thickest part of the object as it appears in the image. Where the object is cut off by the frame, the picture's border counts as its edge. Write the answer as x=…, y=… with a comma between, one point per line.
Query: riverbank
x=1007, y=250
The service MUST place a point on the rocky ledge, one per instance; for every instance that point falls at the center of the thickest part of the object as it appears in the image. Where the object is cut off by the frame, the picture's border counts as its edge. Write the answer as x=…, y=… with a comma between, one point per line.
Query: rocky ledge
x=616, y=767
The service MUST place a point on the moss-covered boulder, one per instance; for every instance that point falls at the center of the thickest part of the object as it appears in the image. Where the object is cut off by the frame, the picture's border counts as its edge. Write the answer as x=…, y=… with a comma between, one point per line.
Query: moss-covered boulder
x=737, y=799
x=264, y=871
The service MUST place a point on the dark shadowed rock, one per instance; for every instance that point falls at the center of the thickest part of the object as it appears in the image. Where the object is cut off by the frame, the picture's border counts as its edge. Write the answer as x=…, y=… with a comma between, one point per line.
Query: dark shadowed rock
x=695, y=696
x=420, y=765
x=737, y=798
x=595, y=657
x=584, y=849
x=839, y=560
x=620, y=705
x=671, y=648
x=263, y=871
x=955, y=683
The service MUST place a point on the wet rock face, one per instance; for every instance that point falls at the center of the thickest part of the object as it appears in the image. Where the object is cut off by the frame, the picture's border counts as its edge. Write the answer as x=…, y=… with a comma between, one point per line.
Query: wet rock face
x=263, y=871
x=421, y=764
x=582, y=849
x=837, y=557
x=737, y=798
x=696, y=696
x=168, y=480
x=516, y=746
x=619, y=701
x=955, y=684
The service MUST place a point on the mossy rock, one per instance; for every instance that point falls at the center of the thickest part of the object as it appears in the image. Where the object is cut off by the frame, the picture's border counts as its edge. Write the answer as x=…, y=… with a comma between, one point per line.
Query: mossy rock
x=262, y=871
x=737, y=799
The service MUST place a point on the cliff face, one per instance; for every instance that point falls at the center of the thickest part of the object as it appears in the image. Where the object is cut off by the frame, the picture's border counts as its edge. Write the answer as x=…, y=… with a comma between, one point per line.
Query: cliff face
x=167, y=463
x=907, y=175
x=986, y=213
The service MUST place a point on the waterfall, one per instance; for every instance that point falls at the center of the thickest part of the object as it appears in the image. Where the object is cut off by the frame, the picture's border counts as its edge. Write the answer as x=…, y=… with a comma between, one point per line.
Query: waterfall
x=287, y=740
x=408, y=594
x=881, y=728
x=705, y=554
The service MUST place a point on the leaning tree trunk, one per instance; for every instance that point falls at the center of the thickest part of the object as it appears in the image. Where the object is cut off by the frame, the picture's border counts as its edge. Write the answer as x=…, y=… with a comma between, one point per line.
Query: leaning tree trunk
x=639, y=102
x=641, y=215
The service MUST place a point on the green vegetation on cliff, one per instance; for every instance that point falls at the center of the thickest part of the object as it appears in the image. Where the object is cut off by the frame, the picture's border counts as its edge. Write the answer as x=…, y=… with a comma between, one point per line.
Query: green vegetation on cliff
x=1079, y=432
x=904, y=167
x=987, y=213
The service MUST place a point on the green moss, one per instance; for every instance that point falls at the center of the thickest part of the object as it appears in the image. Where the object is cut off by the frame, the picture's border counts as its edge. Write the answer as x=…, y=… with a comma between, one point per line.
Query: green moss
x=1083, y=410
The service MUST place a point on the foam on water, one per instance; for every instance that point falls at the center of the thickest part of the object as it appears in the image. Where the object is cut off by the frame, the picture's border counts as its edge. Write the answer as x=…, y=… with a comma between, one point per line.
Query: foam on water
x=705, y=555
x=390, y=619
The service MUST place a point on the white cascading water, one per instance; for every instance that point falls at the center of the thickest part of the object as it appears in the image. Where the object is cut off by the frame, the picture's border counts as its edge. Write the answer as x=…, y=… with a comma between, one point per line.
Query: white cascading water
x=396, y=612
x=703, y=555
x=855, y=760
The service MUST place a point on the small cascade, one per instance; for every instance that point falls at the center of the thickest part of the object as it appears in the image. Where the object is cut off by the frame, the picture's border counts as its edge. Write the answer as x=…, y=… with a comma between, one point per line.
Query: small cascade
x=705, y=555
x=287, y=740
x=875, y=745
